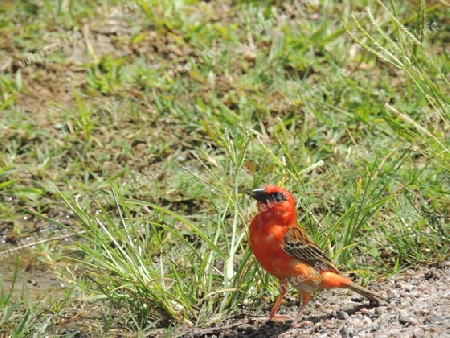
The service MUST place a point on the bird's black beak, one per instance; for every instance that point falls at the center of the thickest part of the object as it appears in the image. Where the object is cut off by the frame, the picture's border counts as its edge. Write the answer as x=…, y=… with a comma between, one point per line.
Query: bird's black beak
x=260, y=194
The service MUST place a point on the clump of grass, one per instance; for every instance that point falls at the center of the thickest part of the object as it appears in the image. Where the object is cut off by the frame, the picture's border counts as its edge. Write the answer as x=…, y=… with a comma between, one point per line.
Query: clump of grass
x=184, y=267
x=407, y=51
x=21, y=310
x=424, y=135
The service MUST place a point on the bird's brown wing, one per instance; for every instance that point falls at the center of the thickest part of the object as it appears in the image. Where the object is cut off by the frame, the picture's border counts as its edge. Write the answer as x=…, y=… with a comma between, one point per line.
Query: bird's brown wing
x=300, y=246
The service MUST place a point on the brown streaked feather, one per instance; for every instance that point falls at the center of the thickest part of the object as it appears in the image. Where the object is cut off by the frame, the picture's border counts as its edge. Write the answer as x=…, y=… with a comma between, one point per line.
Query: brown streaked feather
x=300, y=246
x=372, y=296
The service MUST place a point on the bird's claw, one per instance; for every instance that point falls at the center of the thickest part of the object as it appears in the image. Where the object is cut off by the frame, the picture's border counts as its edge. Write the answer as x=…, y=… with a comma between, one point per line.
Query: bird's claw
x=299, y=325
x=277, y=318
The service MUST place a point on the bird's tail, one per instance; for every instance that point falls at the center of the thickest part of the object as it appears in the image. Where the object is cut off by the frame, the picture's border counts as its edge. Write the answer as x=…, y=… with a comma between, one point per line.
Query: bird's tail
x=372, y=296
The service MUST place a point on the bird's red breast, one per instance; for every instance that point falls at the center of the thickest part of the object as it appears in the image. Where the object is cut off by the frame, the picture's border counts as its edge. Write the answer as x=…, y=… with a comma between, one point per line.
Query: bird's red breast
x=268, y=230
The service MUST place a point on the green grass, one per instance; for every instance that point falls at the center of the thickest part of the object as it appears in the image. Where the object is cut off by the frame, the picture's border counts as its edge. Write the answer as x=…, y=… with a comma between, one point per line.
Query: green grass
x=153, y=163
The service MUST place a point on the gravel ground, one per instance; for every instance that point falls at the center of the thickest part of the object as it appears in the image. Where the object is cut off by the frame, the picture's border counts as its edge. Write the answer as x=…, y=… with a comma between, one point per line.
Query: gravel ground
x=419, y=307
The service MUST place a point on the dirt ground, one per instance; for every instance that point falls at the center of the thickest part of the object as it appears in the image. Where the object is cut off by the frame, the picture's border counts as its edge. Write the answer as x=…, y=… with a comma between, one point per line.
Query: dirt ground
x=418, y=307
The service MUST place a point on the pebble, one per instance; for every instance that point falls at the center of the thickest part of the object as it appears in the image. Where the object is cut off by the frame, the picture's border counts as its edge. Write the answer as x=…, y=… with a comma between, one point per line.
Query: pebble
x=374, y=328
x=329, y=325
x=417, y=306
x=342, y=315
x=423, y=312
x=417, y=332
x=345, y=333
x=407, y=319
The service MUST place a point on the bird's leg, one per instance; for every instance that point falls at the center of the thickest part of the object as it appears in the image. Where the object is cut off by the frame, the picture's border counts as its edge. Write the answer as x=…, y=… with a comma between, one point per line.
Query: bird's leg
x=306, y=297
x=273, y=314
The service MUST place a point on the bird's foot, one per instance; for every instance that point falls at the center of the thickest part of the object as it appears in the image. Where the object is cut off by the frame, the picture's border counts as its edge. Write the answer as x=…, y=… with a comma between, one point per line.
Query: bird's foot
x=296, y=325
x=278, y=318
x=275, y=318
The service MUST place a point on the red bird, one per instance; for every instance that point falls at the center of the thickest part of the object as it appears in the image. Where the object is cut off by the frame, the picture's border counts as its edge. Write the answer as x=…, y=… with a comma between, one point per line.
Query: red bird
x=285, y=251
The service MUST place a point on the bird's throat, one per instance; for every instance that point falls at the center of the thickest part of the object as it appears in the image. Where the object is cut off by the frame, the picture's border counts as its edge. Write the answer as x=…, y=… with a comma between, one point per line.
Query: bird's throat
x=279, y=214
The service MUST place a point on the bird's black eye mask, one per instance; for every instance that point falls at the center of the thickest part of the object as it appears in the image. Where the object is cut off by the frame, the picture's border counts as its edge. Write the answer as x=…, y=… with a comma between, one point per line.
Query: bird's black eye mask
x=277, y=196
x=261, y=196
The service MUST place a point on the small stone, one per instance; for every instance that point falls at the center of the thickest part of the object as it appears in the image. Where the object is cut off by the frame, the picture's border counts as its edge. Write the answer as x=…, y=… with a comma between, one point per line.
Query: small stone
x=428, y=275
x=423, y=312
x=407, y=319
x=408, y=287
x=367, y=321
x=344, y=332
x=379, y=311
x=329, y=325
x=360, y=325
x=342, y=315
x=418, y=332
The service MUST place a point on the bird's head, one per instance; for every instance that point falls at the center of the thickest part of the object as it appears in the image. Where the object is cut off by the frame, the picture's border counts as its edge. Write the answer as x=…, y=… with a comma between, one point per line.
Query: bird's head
x=274, y=201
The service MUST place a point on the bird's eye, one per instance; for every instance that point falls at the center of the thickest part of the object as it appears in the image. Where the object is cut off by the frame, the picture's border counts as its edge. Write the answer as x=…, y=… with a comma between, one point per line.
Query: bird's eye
x=277, y=196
